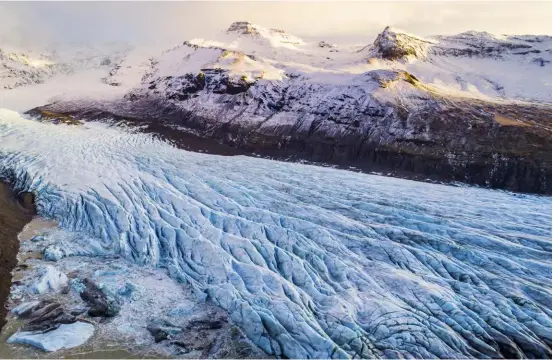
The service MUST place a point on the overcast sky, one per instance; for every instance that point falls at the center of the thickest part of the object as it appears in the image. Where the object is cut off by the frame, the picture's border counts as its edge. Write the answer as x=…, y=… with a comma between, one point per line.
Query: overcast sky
x=147, y=22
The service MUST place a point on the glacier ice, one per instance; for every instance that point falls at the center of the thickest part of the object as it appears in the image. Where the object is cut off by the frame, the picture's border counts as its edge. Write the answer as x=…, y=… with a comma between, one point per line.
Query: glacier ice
x=50, y=280
x=66, y=336
x=310, y=261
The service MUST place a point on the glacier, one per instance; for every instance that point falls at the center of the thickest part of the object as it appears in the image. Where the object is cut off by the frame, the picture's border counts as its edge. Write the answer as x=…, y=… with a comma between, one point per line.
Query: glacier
x=311, y=262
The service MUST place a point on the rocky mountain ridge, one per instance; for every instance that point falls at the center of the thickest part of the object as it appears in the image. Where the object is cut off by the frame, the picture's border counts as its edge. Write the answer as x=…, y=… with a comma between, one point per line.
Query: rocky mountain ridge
x=442, y=108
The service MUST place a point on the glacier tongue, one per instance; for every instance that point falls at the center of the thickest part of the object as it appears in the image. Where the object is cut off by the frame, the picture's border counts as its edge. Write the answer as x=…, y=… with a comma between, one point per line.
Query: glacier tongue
x=310, y=261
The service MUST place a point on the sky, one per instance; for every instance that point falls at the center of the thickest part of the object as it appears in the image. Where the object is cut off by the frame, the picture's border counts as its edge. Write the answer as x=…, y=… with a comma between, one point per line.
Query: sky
x=156, y=22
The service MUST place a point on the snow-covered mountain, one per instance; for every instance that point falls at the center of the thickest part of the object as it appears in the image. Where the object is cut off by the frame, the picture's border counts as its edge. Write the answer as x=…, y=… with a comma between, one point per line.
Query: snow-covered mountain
x=22, y=67
x=470, y=64
x=445, y=107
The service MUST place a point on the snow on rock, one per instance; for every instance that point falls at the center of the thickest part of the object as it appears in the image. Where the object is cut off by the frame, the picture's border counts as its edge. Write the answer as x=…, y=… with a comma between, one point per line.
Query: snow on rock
x=66, y=336
x=50, y=280
x=309, y=261
x=470, y=64
x=276, y=37
x=393, y=45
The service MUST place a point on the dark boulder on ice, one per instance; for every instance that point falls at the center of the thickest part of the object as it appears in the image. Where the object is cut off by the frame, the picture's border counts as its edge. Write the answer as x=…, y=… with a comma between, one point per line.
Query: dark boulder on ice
x=163, y=329
x=43, y=316
x=100, y=300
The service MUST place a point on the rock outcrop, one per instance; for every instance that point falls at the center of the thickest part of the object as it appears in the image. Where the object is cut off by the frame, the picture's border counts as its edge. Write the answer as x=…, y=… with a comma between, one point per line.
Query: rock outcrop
x=394, y=45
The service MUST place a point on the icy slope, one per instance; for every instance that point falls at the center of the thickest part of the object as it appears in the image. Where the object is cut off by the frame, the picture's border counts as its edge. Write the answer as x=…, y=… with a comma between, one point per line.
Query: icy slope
x=312, y=262
x=30, y=66
x=471, y=64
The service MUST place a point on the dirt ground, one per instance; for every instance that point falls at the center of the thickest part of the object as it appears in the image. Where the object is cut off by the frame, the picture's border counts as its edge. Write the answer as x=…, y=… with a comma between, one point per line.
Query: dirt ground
x=15, y=212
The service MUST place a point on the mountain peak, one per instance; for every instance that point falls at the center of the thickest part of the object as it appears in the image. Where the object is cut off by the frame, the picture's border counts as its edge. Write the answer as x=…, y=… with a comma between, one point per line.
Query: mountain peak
x=274, y=35
x=243, y=27
x=393, y=44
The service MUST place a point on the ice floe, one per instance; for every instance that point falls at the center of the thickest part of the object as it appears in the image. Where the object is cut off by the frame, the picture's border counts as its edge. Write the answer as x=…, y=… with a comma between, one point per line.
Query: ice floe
x=66, y=336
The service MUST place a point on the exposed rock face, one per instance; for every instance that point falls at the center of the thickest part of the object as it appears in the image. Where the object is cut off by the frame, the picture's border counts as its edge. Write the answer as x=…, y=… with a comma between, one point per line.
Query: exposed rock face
x=45, y=316
x=215, y=337
x=163, y=329
x=483, y=44
x=249, y=29
x=242, y=27
x=393, y=45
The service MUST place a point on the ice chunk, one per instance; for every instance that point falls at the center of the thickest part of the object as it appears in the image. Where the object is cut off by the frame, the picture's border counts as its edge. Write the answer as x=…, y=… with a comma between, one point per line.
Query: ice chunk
x=181, y=311
x=129, y=291
x=66, y=336
x=53, y=253
x=50, y=279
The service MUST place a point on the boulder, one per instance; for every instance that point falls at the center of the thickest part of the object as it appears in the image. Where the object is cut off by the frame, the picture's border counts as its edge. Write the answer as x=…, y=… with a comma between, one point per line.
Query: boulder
x=45, y=316
x=100, y=300
x=162, y=329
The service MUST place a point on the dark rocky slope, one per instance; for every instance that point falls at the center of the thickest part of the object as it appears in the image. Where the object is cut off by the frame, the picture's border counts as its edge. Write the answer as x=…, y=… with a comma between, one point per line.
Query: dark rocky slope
x=503, y=146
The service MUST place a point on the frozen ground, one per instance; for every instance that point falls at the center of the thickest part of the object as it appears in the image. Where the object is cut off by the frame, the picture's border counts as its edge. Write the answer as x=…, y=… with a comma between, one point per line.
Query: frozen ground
x=311, y=262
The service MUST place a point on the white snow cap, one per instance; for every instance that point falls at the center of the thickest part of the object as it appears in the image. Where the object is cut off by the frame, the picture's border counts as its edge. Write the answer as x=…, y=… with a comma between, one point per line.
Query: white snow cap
x=274, y=35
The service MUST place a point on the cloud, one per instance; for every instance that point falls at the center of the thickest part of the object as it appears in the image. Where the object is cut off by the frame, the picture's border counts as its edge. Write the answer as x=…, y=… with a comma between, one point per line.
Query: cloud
x=155, y=22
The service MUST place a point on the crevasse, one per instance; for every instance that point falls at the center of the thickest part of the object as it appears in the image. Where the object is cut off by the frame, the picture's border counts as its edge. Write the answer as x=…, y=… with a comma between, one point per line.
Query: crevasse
x=311, y=262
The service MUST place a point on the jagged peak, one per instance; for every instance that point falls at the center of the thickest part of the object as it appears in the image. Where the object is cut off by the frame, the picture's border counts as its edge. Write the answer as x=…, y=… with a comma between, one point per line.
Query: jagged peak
x=393, y=31
x=247, y=28
x=393, y=44
x=242, y=27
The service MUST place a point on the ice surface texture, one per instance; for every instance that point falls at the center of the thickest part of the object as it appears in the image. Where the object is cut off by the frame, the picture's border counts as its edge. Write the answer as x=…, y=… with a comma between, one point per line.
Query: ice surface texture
x=66, y=336
x=310, y=261
x=50, y=280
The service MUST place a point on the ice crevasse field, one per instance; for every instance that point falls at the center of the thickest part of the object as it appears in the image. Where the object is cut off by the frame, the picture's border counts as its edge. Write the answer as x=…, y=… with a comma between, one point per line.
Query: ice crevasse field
x=309, y=261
